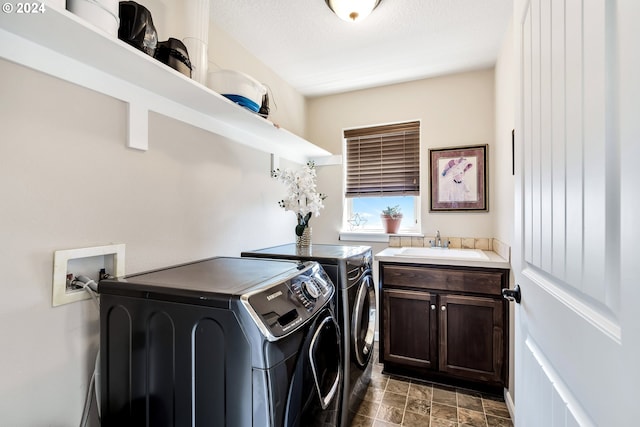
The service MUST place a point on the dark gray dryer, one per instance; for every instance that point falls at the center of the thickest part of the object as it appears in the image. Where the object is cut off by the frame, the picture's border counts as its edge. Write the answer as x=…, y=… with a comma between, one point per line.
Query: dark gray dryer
x=221, y=342
x=350, y=269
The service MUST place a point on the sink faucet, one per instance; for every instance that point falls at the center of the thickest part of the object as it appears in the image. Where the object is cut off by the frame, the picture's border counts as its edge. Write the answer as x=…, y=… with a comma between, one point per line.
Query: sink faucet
x=438, y=243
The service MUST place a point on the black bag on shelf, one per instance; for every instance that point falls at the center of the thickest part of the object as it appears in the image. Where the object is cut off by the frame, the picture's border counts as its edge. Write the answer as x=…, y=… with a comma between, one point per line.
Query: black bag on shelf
x=264, y=108
x=136, y=27
x=174, y=53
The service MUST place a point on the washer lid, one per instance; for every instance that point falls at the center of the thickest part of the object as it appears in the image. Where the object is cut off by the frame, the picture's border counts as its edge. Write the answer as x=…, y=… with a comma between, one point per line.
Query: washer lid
x=212, y=282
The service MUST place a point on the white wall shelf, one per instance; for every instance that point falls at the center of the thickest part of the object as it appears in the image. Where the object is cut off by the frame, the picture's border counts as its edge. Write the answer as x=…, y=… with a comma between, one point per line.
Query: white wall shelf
x=60, y=44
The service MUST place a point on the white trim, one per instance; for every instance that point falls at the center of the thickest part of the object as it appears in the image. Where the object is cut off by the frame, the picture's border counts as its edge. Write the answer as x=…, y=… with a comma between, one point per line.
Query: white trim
x=574, y=413
x=510, y=405
x=608, y=326
x=363, y=237
x=61, y=258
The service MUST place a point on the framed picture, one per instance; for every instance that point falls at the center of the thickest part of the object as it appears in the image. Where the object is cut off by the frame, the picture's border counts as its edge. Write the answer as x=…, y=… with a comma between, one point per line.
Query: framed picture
x=458, y=178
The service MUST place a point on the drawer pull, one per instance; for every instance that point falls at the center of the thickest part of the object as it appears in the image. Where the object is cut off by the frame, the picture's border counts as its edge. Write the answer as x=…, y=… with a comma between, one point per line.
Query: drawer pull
x=443, y=308
x=433, y=306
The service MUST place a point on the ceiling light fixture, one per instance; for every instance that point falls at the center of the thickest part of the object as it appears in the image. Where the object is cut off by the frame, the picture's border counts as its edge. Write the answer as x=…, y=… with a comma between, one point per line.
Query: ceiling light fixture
x=352, y=10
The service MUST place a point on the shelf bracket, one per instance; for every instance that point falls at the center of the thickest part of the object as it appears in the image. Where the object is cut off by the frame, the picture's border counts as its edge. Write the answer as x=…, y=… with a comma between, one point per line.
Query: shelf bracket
x=137, y=126
x=330, y=160
x=275, y=162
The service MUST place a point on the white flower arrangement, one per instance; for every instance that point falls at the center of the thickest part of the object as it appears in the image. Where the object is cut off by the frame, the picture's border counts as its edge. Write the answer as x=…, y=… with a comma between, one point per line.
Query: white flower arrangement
x=302, y=199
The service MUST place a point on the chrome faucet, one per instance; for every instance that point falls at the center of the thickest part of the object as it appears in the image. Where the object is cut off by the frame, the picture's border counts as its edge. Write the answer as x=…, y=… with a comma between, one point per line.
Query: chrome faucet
x=438, y=243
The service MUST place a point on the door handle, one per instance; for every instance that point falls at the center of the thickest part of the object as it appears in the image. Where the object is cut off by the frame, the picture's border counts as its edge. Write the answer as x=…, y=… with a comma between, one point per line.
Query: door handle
x=512, y=294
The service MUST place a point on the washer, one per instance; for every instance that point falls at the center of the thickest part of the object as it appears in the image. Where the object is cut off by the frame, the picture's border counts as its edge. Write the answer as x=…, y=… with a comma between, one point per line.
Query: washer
x=350, y=269
x=225, y=341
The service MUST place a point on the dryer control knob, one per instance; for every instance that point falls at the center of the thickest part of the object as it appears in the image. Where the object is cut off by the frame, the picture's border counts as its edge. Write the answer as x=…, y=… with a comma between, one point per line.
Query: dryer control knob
x=311, y=290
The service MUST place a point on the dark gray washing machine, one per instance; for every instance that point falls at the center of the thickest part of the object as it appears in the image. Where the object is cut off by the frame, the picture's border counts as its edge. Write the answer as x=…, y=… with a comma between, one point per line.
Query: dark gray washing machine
x=350, y=269
x=221, y=342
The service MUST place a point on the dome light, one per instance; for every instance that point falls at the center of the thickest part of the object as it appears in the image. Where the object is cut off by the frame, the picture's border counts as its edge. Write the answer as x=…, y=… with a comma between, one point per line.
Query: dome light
x=352, y=10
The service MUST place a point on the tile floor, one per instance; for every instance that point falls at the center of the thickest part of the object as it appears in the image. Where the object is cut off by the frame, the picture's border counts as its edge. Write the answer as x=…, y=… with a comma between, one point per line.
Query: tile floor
x=393, y=401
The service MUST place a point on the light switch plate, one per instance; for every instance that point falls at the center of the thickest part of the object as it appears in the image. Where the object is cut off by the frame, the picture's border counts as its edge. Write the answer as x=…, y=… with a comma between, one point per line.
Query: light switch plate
x=61, y=259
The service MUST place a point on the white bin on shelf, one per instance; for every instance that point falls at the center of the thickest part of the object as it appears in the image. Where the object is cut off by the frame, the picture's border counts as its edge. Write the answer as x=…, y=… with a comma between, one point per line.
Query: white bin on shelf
x=196, y=36
x=238, y=87
x=101, y=13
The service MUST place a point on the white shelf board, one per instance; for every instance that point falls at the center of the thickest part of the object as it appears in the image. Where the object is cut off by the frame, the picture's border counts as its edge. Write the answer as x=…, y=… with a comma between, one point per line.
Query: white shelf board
x=63, y=45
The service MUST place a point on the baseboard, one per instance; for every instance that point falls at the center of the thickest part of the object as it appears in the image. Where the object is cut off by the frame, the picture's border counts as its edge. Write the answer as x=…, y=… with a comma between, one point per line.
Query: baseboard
x=510, y=406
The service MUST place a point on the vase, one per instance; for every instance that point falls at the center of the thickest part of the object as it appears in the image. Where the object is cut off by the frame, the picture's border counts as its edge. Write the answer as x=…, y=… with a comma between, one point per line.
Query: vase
x=304, y=241
x=391, y=224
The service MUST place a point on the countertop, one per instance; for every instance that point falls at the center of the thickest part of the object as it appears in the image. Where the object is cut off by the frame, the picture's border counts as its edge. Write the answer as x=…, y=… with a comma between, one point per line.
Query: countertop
x=494, y=260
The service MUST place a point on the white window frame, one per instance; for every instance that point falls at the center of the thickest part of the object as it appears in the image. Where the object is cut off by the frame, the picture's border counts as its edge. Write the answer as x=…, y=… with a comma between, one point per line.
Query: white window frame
x=415, y=229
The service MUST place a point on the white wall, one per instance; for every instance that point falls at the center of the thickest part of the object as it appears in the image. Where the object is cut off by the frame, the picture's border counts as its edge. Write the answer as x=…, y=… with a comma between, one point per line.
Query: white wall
x=68, y=181
x=454, y=110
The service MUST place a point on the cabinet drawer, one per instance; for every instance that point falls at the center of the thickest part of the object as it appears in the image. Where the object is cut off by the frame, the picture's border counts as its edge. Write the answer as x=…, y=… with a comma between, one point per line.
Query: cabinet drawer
x=478, y=280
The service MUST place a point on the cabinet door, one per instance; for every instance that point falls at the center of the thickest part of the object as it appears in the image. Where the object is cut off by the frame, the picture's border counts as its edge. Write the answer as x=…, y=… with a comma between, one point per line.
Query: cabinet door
x=472, y=337
x=410, y=328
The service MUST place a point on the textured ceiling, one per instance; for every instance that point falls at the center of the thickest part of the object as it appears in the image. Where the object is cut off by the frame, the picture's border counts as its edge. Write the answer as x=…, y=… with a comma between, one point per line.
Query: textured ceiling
x=402, y=40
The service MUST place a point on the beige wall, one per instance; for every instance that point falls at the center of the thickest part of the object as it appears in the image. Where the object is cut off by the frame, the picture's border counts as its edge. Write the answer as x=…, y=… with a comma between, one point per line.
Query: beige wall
x=503, y=181
x=454, y=110
x=506, y=69
x=462, y=109
x=68, y=181
x=288, y=107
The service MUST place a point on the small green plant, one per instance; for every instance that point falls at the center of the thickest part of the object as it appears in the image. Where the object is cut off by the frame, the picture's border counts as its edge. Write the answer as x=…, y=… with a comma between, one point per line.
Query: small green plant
x=392, y=211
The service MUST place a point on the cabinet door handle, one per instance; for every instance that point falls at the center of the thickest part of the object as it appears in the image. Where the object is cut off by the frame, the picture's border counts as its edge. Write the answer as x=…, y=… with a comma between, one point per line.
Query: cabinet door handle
x=433, y=306
x=443, y=308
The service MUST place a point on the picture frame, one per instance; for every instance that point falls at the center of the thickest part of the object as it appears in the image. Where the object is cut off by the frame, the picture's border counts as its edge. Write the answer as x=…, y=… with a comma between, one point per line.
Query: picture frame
x=458, y=179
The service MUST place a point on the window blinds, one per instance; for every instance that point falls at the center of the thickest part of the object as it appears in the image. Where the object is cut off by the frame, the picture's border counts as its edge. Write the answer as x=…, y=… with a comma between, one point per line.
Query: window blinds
x=383, y=160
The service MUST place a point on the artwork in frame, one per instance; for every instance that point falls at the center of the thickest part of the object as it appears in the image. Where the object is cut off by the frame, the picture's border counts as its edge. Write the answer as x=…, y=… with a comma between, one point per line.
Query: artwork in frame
x=458, y=178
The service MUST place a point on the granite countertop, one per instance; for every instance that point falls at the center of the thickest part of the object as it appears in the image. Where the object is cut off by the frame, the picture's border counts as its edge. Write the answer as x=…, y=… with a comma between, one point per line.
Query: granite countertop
x=453, y=257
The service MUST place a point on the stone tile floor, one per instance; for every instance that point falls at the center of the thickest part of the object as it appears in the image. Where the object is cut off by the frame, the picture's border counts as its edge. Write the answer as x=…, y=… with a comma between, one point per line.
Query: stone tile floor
x=394, y=401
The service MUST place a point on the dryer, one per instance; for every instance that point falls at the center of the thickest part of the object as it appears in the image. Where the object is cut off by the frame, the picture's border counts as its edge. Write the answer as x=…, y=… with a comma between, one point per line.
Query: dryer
x=350, y=269
x=225, y=341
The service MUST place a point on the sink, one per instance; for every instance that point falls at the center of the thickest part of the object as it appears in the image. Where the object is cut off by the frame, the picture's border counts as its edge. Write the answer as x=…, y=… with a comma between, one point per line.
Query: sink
x=475, y=254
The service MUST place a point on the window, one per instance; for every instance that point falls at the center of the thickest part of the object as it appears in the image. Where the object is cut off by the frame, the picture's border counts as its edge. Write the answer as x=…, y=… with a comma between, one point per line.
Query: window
x=382, y=169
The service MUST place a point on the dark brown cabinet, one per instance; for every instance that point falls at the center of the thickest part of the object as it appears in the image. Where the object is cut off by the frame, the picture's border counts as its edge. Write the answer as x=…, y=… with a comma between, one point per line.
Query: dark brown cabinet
x=409, y=314
x=444, y=322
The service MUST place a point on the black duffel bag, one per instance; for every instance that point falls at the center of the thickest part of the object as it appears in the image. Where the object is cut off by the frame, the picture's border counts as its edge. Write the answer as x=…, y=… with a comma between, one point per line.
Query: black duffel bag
x=136, y=27
x=174, y=53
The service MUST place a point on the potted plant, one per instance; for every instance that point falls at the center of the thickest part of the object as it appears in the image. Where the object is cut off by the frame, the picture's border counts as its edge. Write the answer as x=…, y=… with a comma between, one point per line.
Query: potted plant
x=391, y=218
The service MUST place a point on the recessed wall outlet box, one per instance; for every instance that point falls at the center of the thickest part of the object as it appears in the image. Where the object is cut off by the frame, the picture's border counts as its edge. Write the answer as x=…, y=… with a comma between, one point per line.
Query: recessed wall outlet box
x=86, y=262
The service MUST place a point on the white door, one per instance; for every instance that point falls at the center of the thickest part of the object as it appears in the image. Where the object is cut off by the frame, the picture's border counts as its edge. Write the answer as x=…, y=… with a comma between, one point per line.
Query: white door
x=577, y=212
